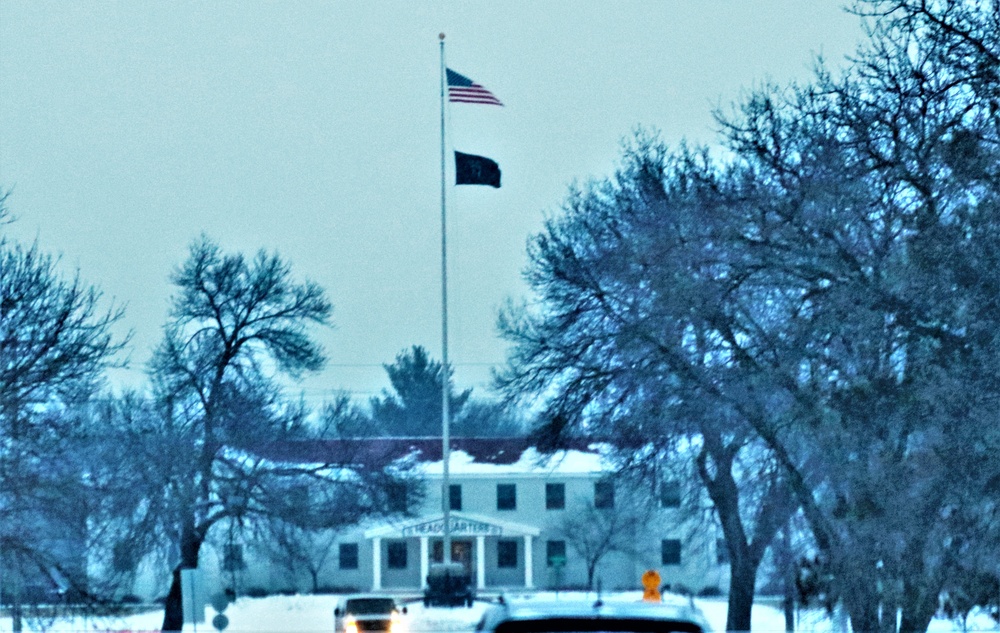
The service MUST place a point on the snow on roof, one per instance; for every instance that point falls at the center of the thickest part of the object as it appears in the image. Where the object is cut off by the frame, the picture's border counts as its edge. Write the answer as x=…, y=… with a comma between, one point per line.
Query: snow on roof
x=252, y=458
x=530, y=461
x=469, y=455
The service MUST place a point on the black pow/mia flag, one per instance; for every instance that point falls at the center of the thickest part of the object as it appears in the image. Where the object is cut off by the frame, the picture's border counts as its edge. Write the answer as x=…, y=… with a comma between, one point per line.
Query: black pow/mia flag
x=476, y=170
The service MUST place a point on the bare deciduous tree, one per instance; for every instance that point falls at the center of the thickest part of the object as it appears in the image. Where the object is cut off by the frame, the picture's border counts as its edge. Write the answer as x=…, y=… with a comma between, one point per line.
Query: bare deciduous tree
x=594, y=532
x=55, y=343
x=236, y=327
x=828, y=293
x=627, y=346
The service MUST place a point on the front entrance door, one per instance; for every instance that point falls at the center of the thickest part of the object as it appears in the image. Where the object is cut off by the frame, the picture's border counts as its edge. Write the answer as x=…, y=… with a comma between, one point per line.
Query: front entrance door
x=461, y=552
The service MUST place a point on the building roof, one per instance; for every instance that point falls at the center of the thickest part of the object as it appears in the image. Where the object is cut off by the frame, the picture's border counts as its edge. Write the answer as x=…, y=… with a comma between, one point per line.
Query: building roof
x=470, y=455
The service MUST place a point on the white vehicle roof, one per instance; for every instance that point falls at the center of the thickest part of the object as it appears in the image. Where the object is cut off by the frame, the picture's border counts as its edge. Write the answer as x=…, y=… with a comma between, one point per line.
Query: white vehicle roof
x=684, y=617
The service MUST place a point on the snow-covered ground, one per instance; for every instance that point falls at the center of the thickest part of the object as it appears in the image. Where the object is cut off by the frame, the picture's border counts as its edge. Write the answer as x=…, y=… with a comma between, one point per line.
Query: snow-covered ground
x=309, y=614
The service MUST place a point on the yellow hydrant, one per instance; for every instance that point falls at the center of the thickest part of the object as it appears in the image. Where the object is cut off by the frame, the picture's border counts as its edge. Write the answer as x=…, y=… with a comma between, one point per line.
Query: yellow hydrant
x=651, y=586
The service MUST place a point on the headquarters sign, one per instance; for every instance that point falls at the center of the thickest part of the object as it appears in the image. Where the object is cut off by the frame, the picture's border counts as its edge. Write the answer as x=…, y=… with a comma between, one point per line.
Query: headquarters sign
x=459, y=527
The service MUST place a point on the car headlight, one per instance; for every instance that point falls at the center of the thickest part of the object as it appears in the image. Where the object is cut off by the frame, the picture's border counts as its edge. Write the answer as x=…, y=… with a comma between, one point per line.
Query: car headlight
x=396, y=624
x=350, y=625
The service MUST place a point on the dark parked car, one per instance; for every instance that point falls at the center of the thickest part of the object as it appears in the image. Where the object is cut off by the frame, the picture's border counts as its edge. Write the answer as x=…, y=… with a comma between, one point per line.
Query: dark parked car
x=591, y=616
x=449, y=585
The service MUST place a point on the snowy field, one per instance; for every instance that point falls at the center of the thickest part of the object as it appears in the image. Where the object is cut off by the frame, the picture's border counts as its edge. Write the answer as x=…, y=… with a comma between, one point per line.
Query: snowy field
x=309, y=614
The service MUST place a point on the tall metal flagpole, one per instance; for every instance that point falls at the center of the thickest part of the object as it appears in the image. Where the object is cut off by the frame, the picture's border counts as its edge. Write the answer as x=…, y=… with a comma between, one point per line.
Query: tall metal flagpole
x=445, y=377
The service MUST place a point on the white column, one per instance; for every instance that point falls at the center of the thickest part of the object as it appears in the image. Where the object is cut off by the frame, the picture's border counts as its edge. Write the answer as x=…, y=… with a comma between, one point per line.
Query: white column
x=529, y=562
x=481, y=562
x=424, y=560
x=376, y=564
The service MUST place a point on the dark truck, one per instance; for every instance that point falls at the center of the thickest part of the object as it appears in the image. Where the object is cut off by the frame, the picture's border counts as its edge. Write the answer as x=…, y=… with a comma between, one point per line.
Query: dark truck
x=449, y=585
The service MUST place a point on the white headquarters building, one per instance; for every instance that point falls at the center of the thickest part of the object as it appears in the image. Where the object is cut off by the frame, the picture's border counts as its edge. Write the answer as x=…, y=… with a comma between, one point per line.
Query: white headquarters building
x=519, y=520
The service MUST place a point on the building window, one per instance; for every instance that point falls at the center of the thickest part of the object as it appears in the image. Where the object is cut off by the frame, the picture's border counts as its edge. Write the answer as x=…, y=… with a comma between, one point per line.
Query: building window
x=506, y=497
x=396, y=555
x=396, y=497
x=670, y=494
x=670, y=551
x=232, y=557
x=124, y=557
x=721, y=551
x=555, y=553
x=555, y=496
x=348, y=555
x=604, y=494
x=455, y=496
x=506, y=553
x=297, y=497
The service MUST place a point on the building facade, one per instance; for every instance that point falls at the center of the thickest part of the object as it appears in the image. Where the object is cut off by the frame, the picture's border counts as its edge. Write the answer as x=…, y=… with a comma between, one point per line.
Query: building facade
x=519, y=520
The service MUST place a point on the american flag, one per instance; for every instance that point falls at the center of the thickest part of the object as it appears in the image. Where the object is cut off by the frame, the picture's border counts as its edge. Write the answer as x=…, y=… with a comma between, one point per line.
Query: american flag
x=463, y=90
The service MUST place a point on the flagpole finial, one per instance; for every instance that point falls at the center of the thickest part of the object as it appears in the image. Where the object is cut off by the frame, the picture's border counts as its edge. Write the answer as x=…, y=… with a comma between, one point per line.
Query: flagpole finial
x=441, y=36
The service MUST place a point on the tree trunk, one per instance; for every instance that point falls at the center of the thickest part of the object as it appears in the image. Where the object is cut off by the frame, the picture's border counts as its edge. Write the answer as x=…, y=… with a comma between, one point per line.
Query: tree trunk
x=173, y=611
x=16, y=615
x=724, y=492
x=919, y=602
x=788, y=606
x=16, y=605
x=921, y=586
x=861, y=602
x=742, y=586
x=591, y=568
x=786, y=563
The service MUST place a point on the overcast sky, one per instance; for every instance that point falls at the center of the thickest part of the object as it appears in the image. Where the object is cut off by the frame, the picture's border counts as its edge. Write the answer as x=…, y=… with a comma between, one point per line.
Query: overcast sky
x=127, y=129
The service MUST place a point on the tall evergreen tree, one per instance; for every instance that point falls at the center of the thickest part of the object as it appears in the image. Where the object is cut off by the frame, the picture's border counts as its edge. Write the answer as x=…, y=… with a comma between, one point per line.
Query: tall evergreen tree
x=414, y=406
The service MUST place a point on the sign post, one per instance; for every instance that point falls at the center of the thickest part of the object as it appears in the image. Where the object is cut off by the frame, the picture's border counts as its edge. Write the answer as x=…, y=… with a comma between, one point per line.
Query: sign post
x=193, y=596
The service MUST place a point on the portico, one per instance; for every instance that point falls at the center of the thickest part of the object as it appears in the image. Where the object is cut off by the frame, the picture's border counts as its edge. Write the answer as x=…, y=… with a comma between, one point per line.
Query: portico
x=466, y=529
